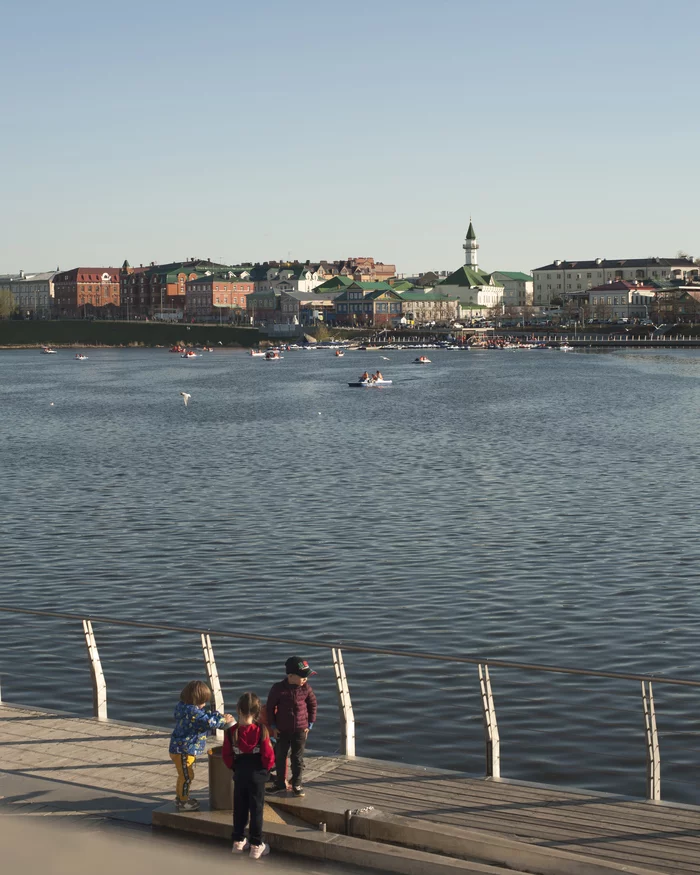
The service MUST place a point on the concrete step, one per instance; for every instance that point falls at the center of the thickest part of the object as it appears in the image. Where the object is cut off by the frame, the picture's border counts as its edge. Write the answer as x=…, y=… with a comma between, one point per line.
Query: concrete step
x=490, y=849
x=309, y=842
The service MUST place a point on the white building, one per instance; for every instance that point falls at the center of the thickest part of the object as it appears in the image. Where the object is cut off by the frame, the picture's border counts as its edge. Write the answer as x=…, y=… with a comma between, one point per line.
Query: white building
x=557, y=279
x=33, y=294
x=517, y=287
x=294, y=278
x=476, y=289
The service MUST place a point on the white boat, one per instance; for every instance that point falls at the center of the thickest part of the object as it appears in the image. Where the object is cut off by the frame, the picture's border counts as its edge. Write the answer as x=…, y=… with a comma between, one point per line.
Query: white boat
x=46, y=350
x=565, y=347
x=368, y=384
x=273, y=357
x=190, y=355
x=423, y=360
x=80, y=357
x=257, y=353
x=339, y=353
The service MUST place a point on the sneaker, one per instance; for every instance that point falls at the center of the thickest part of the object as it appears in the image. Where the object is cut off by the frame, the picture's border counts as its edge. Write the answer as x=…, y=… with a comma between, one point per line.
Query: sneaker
x=278, y=789
x=239, y=847
x=257, y=851
x=299, y=791
x=187, y=805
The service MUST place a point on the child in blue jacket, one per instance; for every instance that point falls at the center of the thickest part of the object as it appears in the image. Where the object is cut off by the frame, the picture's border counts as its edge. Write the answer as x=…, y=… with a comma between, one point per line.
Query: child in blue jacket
x=189, y=738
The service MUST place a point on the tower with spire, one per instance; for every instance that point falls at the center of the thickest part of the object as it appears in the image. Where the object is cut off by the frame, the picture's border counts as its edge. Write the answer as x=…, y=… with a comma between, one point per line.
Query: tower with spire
x=470, y=246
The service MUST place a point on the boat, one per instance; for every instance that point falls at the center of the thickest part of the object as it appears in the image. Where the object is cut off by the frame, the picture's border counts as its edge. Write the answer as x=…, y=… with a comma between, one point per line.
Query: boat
x=368, y=384
x=179, y=349
x=257, y=353
x=272, y=356
x=47, y=350
x=80, y=357
x=190, y=355
x=565, y=347
x=339, y=353
x=422, y=360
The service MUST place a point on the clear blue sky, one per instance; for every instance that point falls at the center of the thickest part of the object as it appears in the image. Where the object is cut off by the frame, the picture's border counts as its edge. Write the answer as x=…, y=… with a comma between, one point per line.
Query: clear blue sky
x=158, y=130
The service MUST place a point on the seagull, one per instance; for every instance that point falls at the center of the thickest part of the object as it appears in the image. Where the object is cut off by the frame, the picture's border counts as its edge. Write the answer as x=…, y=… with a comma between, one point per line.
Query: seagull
x=185, y=397
x=385, y=358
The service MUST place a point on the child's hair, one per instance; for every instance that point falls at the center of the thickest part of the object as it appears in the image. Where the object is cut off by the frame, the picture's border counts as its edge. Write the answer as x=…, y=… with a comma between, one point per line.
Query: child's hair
x=249, y=706
x=195, y=693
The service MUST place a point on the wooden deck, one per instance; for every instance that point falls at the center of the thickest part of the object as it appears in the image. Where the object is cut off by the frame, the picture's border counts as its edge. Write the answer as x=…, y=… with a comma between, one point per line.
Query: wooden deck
x=55, y=763
x=660, y=836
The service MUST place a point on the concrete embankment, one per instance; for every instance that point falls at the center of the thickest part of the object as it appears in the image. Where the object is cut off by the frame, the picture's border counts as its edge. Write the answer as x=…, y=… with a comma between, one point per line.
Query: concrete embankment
x=85, y=333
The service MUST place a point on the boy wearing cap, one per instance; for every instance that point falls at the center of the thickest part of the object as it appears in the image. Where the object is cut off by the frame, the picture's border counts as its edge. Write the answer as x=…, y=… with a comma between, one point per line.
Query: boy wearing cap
x=291, y=710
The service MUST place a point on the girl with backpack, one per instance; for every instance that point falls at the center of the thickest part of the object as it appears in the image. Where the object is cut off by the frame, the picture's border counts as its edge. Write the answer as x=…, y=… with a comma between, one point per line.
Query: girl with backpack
x=249, y=754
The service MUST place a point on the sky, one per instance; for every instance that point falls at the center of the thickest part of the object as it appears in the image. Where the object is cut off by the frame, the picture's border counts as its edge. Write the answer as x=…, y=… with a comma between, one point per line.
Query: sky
x=271, y=129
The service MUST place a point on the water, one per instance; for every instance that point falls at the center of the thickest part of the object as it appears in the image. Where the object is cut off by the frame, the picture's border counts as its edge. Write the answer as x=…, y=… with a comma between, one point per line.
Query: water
x=534, y=506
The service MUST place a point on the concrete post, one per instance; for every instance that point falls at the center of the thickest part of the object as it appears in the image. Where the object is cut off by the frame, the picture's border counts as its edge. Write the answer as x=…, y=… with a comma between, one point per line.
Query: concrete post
x=347, y=715
x=652, y=744
x=99, y=687
x=213, y=677
x=491, y=737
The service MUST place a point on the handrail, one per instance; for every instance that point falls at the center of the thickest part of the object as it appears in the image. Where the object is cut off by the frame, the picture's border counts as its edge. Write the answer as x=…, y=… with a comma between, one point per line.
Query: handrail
x=359, y=648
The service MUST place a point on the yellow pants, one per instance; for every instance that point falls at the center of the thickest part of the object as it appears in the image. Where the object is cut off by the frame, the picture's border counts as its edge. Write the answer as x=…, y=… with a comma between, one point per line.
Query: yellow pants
x=184, y=763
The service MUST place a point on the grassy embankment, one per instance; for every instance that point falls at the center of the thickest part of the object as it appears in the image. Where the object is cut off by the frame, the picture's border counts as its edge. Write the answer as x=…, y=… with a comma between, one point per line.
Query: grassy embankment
x=79, y=333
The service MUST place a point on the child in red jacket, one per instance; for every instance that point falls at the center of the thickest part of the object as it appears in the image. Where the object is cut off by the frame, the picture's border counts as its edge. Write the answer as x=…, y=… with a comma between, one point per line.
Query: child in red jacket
x=248, y=752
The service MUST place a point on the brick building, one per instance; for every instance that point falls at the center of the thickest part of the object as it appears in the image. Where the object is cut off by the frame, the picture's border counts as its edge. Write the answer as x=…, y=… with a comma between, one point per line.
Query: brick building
x=219, y=295
x=83, y=291
x=160, y=289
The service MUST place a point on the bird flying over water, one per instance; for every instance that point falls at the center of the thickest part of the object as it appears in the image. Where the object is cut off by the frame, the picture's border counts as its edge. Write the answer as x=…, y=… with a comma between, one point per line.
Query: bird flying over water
x=185, y=397
x=385, y=358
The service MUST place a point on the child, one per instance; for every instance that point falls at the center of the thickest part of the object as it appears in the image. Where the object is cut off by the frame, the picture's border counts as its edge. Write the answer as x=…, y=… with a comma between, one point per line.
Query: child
x=291, y=710
x=247, y=750
x=189, y=738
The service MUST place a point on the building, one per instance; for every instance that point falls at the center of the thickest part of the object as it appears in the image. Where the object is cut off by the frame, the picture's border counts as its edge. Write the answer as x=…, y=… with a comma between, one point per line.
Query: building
x=295, y=276
x=517, y=287
x=307, y=308
x=555, y=280
x=475, y=289
x=33, y=294
x=621, y=300
x=82, y=291
x=218, y=295
x=368, y=303
x=422, y=308
x=160, y=288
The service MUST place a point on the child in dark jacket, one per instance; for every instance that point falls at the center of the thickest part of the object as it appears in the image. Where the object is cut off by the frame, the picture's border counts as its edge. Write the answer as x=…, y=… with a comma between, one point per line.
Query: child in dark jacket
x=189, y=738
x=291, y=710
x=248, y=752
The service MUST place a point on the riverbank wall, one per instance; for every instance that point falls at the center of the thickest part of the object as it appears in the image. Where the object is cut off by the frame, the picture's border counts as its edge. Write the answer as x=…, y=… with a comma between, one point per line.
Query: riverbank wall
x=122, y=334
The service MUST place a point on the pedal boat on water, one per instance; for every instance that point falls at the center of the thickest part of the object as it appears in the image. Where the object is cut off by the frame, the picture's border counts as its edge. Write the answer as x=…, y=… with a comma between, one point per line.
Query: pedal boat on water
x=369, y=384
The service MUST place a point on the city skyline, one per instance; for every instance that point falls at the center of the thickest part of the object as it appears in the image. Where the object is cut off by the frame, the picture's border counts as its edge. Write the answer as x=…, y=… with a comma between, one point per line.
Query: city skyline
x=310, y=133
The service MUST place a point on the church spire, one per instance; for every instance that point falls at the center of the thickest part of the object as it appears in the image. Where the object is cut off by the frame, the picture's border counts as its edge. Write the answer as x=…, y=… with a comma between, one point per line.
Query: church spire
x=470, y=246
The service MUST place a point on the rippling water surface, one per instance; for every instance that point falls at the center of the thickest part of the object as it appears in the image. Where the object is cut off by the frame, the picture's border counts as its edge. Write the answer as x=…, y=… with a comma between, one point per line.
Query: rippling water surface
x=534, y=506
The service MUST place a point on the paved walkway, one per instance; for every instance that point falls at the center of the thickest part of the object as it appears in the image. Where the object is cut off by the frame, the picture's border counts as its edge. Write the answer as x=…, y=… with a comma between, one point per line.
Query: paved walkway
x=60, y=765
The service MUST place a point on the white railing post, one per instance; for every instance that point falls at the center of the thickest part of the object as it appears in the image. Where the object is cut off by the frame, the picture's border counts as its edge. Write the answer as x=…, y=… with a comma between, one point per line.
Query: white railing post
x=652, y=744
x=347, y=715
x=213, y=676
x=99, y=687
x=491, y=737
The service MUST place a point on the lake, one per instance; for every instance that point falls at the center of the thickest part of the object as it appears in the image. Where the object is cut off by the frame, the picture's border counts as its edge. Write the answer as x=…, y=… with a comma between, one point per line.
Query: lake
x=536, y=506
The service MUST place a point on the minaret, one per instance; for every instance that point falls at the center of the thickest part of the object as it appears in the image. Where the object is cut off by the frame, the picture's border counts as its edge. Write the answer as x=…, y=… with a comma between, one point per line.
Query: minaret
x=470, y=246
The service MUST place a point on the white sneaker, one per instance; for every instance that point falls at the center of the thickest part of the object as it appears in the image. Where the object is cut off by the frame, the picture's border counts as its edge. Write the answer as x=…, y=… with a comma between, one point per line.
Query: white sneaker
x=239, y=847
x=187, y=805
x=257, y=851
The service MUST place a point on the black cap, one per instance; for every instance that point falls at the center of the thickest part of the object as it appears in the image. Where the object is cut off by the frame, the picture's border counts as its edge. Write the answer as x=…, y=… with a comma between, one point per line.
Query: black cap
x=297, y=665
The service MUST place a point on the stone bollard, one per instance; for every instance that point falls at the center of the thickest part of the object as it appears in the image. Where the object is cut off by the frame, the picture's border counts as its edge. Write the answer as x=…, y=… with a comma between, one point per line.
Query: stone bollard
x=220, y=782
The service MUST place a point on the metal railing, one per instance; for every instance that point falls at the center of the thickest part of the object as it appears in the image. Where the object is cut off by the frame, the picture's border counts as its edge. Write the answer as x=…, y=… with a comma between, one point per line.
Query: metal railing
x=346, y=713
